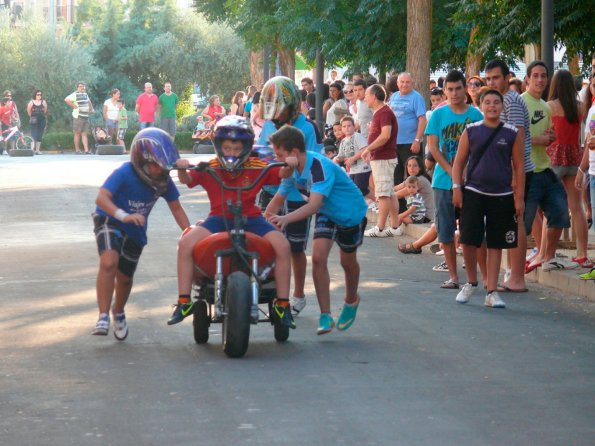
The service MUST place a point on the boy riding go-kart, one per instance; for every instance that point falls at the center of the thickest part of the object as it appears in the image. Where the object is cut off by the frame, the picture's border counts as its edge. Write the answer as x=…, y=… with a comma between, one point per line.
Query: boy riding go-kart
x=226, y=247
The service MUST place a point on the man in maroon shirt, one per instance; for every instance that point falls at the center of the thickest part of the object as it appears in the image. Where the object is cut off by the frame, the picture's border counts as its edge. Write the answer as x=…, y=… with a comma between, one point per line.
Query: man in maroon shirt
x=382, y=155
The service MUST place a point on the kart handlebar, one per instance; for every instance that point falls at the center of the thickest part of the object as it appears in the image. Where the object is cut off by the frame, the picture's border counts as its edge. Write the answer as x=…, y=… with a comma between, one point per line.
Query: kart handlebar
x=205, y=167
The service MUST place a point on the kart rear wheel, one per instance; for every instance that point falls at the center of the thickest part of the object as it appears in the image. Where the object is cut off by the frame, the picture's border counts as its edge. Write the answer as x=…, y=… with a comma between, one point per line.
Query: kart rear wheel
x=236, y=322
x=280, y=329
x=201, y=322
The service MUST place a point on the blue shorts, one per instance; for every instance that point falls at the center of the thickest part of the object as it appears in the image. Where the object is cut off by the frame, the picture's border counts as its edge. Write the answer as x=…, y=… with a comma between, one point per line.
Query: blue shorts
x=111, y=123
x=547, y=192
x=144, y=125
x=348, y=238
x=255, y=225
x=446, y=216
x=109, y=236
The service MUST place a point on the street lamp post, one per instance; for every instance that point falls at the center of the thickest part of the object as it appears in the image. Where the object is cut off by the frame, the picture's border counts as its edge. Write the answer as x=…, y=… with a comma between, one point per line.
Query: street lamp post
x=547, y=33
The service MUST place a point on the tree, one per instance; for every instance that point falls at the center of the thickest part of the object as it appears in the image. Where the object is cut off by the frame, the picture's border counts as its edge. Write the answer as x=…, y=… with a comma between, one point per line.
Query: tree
x=35, y=58
x=503, y=27
x=419, y=39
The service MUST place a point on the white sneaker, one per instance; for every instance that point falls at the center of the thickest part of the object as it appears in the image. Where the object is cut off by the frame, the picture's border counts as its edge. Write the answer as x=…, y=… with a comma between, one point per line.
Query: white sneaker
x=558, y=263
x=532, y=254
x=466, y=293
x=297, y=304
x=440, y=253
x=392, y=232
x=377, y=232
x=102, y=325
x=120, y=326
x=493, y=300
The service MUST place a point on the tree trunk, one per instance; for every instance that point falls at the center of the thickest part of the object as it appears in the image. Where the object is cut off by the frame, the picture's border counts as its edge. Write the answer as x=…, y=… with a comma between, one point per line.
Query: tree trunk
x=573, y=64
x=419, y=44
x=256, y=72
x=473, y=60
x=286, y=62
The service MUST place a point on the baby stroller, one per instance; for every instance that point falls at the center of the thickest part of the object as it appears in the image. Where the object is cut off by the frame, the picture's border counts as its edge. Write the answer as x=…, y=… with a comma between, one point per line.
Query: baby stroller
x=103, y=143
x=100, y=136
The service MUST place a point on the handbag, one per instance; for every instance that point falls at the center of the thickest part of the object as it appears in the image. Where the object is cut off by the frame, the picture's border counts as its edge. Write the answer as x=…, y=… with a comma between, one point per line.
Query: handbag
x=482, y=150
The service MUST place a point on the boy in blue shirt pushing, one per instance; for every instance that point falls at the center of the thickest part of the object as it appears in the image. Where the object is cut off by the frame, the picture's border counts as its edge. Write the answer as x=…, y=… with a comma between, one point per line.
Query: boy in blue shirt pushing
x=327, y=189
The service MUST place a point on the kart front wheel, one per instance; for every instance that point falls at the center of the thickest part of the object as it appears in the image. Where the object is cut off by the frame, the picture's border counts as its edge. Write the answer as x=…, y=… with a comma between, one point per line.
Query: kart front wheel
x=236, y=322
x=201, y=322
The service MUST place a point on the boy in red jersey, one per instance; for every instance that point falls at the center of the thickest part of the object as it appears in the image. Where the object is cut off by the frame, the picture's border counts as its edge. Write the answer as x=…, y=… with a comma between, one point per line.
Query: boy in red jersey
x=233, y=143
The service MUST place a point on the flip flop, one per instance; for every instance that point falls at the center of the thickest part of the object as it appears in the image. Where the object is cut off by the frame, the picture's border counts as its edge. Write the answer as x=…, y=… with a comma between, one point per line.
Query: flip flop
x=505, y=289
x=449, y=285
x=529, y=268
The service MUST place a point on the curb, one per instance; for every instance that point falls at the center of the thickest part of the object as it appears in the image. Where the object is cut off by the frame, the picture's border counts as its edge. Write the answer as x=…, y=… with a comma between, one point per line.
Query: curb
x=565, y=281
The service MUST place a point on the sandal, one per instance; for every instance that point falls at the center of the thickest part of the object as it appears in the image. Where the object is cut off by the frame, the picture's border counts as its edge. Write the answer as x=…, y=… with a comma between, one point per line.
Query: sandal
x=449, y=285
x=408, y=248
x=584, y=262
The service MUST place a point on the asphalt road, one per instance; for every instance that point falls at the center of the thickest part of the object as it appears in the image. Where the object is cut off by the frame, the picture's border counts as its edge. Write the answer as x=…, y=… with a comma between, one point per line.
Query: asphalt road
x=415, y=369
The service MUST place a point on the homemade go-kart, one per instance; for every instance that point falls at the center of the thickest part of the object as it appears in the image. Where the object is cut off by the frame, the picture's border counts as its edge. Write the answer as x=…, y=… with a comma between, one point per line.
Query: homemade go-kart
x=234, y=275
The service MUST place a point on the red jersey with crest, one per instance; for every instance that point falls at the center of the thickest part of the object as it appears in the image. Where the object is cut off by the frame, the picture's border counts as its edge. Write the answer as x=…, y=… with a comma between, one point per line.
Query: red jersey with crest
x=218, y=196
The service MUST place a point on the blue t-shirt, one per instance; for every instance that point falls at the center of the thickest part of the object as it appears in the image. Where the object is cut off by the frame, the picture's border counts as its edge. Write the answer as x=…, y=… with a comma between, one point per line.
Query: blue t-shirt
x=449, y=126
x=343, y=202
x=134, y=196
x=407, y=109
x=312, y=144
x=248, y=106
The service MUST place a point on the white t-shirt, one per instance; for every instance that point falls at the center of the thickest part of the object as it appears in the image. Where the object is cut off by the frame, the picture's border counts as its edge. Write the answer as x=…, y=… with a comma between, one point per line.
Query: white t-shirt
x=350, y=145
x=331, y=115
x=112, y=110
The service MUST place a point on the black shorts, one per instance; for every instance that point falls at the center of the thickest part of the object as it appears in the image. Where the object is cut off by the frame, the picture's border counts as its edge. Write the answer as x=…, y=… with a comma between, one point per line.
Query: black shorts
x=108, y=236
x=491, y=216
x=296, y=233
x=362, y=181
x=348, y=238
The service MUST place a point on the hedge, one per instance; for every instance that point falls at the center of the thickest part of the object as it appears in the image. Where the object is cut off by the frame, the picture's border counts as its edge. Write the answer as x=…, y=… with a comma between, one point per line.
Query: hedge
x=64, y=140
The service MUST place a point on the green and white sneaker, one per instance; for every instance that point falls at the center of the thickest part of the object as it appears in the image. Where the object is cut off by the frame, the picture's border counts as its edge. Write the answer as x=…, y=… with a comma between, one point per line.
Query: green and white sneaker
x=181, y=312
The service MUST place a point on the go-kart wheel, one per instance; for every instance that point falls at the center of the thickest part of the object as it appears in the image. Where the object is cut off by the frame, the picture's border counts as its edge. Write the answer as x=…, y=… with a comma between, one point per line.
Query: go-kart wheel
x=236, y=322
x=201, y=322
x=281, y=332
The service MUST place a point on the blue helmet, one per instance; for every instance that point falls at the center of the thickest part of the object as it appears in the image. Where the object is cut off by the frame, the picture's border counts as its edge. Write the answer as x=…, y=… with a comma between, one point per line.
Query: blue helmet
x=153, y=145
x=235, y=128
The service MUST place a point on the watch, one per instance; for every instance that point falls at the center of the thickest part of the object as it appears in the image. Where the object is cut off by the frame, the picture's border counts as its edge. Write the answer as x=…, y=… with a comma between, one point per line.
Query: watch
x=456, y=186
x=418, y=139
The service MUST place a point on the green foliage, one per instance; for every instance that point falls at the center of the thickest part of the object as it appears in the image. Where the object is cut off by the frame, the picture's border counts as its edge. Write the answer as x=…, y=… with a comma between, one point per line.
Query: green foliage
x=34, y=57
x=58, y=141
x=184, y=140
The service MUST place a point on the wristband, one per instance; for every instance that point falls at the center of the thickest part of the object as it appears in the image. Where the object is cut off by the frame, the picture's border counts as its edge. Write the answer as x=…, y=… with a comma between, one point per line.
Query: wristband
x=121, y=215
x=581, y=170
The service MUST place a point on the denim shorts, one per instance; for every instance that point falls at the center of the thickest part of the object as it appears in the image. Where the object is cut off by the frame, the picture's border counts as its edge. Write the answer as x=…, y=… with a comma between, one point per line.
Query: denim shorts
x=547, y=192
x=111, y=123
x=446, y=216
x=256, y=225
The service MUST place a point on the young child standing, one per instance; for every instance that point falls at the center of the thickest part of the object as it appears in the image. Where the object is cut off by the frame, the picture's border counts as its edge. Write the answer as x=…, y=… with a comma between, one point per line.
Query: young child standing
x=350, y=152
x=122, y=123
x=340, y=212
x=416, y=208
x=123, y=206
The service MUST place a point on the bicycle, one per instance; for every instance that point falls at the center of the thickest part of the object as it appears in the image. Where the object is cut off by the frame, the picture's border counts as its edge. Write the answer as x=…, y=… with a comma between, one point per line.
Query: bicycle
x=235, y=273
x=22, y=141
